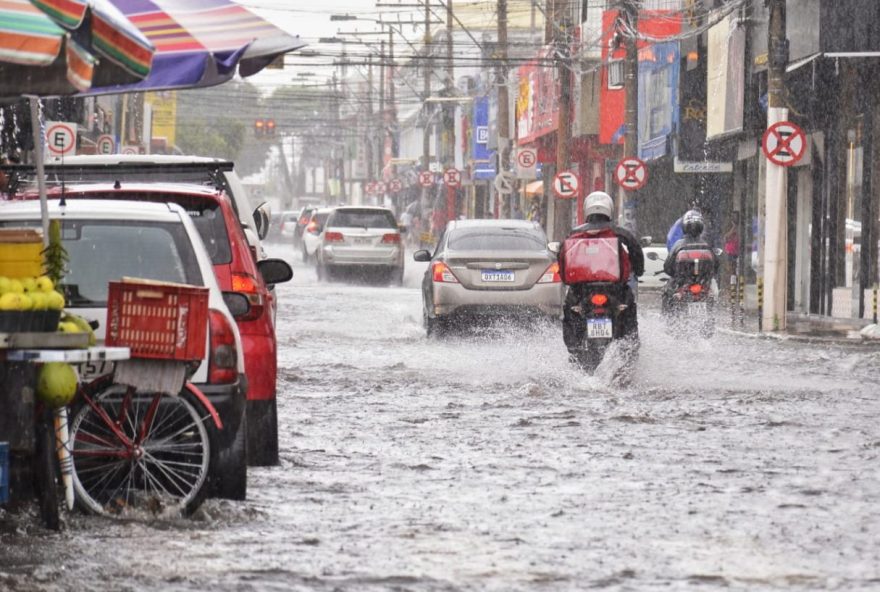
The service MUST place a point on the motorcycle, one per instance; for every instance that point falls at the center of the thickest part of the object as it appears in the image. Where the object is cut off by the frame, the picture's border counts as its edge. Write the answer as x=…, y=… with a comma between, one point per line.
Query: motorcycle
x=596, y=306
x=689, y=299
x=594, y=322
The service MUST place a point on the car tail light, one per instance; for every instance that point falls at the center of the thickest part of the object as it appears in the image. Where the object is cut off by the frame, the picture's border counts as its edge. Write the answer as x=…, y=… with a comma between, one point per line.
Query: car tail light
x=245, y=283
x=223, y=360
x=443, y=274
x=303, y=220
x=695, y=289
x=333, y=237
x=551, y=275
x=312, y=227
x=599, y=299
x=392, y=238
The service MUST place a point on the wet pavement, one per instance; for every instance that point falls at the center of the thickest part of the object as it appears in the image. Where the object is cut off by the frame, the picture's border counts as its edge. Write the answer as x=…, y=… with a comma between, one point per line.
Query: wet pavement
x=487, y=462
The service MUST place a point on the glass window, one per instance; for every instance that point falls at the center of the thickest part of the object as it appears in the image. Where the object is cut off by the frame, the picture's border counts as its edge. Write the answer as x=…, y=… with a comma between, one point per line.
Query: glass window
x=496, y=239
x=362, y=219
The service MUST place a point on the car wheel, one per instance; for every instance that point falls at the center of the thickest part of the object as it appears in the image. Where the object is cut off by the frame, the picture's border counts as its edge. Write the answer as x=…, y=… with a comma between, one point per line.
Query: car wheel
x=230, y=465
x=435, y=327
x=262, y=447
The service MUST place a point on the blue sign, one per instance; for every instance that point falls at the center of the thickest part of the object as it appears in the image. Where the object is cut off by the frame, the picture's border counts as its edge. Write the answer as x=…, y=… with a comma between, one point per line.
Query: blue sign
x=658, y=97
x=484, y=159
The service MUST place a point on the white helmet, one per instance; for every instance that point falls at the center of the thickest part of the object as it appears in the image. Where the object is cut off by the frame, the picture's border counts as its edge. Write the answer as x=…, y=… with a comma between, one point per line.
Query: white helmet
x=598, y=202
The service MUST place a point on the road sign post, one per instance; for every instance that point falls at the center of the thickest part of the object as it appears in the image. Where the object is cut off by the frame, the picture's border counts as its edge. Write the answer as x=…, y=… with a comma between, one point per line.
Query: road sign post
x=526, y=163
x=784, y=143
x=60, y=138
x=426, y=178
x=566, y=185
x=106, y=144
x=452, y=179
x=631, y=174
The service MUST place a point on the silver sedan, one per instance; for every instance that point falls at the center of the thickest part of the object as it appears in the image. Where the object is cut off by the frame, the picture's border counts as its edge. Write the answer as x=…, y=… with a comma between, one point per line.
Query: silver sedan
x=489, y=269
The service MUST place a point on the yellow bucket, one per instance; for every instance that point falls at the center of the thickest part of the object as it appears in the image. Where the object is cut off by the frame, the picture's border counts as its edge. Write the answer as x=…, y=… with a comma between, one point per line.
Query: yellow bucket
x=21, y=252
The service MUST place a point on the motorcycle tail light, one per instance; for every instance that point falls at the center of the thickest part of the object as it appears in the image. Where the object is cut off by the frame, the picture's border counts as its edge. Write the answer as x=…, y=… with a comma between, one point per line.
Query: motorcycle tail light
x=696, y=289
x=443, y=274
x=599, y=299
x=551, y=275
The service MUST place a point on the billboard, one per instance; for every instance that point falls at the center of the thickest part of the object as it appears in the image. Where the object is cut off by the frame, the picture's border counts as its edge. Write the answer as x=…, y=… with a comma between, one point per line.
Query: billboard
x=725, y=78
x=537, y=102
x=483, y=157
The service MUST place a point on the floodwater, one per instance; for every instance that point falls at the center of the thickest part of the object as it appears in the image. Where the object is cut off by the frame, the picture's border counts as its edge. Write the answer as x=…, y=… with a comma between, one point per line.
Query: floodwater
x=487, y=462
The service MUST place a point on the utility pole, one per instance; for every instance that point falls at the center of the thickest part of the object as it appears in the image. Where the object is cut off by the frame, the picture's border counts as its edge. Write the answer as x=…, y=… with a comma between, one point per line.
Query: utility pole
x=449, y=113
x=369, y=121
x=562, y=49
x=380, y=137
x=391, y=120
x=630, y=14
x=426, y=92
x=503, y=148
x=776, y=233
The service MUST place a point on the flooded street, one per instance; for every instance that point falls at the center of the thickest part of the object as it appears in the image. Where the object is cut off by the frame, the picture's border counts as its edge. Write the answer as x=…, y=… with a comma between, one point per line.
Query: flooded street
x=486, y=462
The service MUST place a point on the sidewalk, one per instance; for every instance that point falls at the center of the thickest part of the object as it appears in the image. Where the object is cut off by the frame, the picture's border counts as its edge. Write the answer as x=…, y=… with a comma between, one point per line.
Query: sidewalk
x=813, y=328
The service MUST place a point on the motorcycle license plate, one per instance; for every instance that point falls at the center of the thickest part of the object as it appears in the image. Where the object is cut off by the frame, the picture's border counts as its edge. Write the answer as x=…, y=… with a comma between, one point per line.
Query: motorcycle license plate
x=599, y=329
x=698, y=309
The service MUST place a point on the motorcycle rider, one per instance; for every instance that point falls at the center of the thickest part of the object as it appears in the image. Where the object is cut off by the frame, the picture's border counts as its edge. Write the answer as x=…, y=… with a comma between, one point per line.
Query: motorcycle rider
x=598, y=209
x=692, y=226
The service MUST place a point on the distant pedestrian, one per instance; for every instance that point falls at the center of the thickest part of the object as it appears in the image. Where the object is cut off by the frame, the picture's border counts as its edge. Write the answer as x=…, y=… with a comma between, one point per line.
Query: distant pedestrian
x=535, y=213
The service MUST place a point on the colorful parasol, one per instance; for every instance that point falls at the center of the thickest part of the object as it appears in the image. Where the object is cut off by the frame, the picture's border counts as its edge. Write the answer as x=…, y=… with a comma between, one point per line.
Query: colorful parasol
x=201, y=43
x=40, y=57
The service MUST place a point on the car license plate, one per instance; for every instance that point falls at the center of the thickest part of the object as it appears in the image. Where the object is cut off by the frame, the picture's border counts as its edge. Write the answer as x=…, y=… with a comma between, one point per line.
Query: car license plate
x=697, y=309
x=89, y=371
x=363, y=240
x=599, y=329
x=497, y=275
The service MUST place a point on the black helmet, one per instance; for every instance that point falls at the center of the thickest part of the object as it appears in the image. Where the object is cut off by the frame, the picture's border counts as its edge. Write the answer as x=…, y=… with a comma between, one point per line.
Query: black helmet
x=692, y=223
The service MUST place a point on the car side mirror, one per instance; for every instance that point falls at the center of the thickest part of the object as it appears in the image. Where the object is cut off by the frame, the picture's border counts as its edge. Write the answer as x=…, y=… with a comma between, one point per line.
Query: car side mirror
x=262, y=216
x=275, y=271
x=422, y=255
x=237, y=303
x=646, y=240
x=652, y=256
x=554, y=247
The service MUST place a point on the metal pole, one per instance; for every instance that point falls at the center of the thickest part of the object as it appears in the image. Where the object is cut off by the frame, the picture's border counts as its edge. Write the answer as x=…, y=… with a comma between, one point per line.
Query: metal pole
x=39, y=156
x=449, y=112
x=501, y=71
x=631, y=80
x=776, y=231
x=562, y=209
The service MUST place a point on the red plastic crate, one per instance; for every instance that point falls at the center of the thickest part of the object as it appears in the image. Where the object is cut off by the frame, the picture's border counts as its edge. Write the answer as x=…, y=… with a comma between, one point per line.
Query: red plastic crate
x=158, y=320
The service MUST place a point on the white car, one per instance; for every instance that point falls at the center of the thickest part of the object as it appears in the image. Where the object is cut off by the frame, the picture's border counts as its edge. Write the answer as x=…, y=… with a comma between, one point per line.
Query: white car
x=654, y=278
x=107, y=240
x=361, y=238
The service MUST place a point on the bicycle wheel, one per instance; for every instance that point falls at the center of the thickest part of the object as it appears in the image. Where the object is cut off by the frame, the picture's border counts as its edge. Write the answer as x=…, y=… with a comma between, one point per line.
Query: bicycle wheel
x=141, y=451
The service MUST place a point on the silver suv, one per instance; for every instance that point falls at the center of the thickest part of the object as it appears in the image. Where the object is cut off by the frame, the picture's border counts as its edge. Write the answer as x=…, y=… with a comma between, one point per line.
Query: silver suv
x=365, y=239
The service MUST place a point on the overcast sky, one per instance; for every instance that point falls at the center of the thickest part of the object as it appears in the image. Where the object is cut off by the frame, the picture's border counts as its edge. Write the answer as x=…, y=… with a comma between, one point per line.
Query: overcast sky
x=310, y=19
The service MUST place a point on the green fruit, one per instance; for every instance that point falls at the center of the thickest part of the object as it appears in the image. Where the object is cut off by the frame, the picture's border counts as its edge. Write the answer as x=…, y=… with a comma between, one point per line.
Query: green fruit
x=12, y=301
x=54, y=301
x=44, y=284
x=4, y=284
x=29, y=284
x=56, y=383
x=39, y=300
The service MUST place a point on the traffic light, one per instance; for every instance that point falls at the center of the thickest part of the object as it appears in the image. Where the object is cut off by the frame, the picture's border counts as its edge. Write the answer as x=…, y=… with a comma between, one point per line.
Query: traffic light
x=270, y=127
x=259, y=127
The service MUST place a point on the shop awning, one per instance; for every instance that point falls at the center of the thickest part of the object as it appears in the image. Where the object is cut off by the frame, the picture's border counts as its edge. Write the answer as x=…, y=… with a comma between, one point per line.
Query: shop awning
x=535, y=188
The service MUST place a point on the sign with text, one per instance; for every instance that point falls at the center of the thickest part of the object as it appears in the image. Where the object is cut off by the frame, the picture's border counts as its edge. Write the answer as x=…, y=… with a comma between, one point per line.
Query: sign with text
x=60, y=138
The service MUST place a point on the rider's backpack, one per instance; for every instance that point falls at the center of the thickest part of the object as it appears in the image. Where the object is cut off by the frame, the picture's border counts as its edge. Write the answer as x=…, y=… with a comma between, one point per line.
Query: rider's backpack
x=598, y=257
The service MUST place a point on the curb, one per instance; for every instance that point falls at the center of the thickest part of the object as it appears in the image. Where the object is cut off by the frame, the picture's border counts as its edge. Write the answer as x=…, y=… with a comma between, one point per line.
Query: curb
x=800, y=338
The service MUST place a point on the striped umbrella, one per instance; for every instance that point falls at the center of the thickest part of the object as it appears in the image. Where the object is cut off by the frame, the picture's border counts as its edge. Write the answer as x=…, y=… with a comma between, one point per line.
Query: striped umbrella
x=202, y=42
x=39, y=56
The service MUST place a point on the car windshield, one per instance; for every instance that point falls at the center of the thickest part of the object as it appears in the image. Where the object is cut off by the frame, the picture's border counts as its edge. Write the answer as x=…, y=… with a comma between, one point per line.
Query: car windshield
x=101, y=251
x=362, y=219
x=496, y=239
